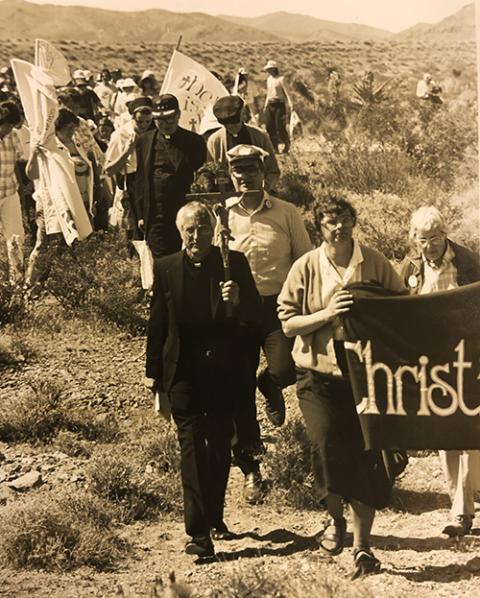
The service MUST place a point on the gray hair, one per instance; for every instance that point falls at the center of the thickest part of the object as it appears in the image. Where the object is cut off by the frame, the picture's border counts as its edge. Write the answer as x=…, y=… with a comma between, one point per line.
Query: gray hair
x=193, y=207
x=426, y=217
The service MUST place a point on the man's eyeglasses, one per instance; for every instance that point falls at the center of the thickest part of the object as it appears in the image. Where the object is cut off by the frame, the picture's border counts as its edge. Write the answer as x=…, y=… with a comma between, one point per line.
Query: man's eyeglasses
x=251, y=169
x=332, y=223
x=435, y=240
x=200, y=230
x=142, y=112
x=230, y=120
x=169, y=120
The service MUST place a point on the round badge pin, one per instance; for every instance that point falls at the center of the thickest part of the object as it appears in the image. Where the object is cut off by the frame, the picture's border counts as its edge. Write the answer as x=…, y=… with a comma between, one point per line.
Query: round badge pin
x=413, y=281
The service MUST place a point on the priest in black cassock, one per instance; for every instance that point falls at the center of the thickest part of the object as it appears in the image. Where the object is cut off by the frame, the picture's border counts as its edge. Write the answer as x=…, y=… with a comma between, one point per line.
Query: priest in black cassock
x=167, y=158
x=196, y=357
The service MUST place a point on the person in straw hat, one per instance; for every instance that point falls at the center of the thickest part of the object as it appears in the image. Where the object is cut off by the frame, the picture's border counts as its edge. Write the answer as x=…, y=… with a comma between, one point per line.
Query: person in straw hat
x=276, y=103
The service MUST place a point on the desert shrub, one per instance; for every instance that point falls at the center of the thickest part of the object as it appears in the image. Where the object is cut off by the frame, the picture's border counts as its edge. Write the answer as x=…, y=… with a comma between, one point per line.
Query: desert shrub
x=98, y=278
x=256, y=582
x=70, y=444
x=295, y=183
x=12, y=308
x=438, y=141
x=288, y=467
x=61, y=532
x=117, y=475
x=37, y=414
x=361, y=166
x=14, y=349
x=159, y=448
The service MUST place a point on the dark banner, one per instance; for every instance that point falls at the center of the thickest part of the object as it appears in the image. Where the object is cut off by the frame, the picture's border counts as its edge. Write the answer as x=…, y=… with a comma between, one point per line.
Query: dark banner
x=414, y=364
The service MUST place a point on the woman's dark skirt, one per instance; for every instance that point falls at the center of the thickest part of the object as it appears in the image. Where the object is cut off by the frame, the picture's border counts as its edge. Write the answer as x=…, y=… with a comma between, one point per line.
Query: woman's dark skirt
x=340, y=463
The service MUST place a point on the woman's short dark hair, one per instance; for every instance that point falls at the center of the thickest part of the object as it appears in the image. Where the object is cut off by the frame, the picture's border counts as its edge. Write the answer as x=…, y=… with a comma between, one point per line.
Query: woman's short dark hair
x=65, y=117
x=10, y=113
x=274, y=71
x=331, y=205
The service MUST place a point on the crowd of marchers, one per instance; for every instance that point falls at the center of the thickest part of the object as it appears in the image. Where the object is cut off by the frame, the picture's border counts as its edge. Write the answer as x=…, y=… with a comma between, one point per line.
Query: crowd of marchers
x=213, y=311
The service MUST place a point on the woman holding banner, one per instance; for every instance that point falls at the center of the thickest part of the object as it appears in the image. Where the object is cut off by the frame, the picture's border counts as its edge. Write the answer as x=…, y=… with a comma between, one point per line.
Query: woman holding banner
x=310, y=307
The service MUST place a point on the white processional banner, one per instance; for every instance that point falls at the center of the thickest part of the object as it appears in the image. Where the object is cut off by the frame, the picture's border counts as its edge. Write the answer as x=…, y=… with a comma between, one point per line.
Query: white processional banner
x=196, y=90
x=53, y=61
x=57, y=186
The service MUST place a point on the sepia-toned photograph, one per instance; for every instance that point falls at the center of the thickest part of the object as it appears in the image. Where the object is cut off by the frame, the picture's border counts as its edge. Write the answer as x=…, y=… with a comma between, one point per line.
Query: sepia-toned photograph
x=239, y=299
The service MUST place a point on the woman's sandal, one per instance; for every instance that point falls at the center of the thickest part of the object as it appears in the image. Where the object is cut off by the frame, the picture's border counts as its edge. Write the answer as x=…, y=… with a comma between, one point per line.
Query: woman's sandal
x=332, y=537
x=365, y=563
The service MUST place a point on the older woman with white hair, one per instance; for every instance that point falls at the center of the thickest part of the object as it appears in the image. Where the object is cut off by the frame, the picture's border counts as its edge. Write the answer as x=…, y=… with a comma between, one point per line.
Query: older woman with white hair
x=436, y=263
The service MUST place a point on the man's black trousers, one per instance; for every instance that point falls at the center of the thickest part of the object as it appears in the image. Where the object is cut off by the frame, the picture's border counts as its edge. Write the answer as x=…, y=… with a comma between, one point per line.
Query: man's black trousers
x=277, y=347
x=203, y=405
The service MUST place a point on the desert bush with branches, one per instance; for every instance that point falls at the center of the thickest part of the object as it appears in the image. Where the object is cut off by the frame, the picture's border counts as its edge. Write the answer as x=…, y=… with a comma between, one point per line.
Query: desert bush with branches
x=141, y=481
x=288, y=466
x=97, y=278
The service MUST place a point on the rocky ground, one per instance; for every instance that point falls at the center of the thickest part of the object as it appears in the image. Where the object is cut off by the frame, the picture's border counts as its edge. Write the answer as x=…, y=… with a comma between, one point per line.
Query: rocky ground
x=100, y=367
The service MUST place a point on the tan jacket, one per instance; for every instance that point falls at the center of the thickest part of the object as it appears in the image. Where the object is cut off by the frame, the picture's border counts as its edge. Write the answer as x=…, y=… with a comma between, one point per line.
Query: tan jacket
x=301, y=295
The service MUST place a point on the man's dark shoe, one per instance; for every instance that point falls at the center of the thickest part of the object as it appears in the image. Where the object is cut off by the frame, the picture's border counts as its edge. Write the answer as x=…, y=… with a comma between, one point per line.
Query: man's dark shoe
x=200, y=546
x=252, y=487
x=274, y=402
x=460, y=526
x=221, y=532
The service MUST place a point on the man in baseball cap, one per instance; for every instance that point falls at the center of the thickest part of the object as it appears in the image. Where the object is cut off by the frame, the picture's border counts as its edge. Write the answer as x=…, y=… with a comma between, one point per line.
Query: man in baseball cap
x=272, y=235
x=228, y=110
x=140, y=104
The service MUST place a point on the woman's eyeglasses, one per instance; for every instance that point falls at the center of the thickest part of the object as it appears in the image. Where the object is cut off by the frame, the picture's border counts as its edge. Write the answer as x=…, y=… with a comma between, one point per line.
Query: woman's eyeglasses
x=333, y=223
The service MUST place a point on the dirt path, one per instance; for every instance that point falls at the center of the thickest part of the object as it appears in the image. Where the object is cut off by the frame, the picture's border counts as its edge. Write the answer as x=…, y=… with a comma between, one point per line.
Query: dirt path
x=416, y=560
x=102, y=369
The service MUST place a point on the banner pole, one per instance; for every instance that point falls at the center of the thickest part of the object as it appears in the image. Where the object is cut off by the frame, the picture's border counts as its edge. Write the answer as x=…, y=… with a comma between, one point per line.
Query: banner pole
x=179, y=43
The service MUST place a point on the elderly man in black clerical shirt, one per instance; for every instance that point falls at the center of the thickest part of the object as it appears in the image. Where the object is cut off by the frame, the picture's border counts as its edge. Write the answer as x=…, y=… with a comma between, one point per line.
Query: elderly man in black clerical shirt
x=196, y=356
x=167, y=158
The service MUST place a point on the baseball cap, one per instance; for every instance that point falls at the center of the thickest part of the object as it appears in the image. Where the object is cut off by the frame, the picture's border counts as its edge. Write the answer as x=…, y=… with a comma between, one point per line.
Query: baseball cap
x=139, y=103
x=165, y=105
x=245, y=152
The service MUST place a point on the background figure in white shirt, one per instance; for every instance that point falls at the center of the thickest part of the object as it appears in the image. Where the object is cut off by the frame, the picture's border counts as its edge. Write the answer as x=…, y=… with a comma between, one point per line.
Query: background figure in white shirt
x=427, y=89
x=438, y=264
x=121, y=158
x=105, y=91
x=276, y=102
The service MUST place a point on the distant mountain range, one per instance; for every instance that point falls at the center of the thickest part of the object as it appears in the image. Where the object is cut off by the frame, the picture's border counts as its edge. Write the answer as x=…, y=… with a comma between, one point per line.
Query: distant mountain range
x=300, y=28
x=21, y=19
x=457, y=27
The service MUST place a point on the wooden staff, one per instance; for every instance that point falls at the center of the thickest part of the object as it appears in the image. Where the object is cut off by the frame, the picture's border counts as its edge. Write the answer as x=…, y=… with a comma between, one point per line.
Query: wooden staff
x=224, y=235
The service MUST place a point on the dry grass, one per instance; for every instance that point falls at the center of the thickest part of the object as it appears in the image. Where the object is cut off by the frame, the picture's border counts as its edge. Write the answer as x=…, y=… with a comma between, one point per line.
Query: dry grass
x=59, y=532
x=37, y=414
x=260, y=583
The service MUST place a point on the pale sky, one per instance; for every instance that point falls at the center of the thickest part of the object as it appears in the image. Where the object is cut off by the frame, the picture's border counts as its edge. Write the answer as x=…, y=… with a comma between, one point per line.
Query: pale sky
x=393, y=15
